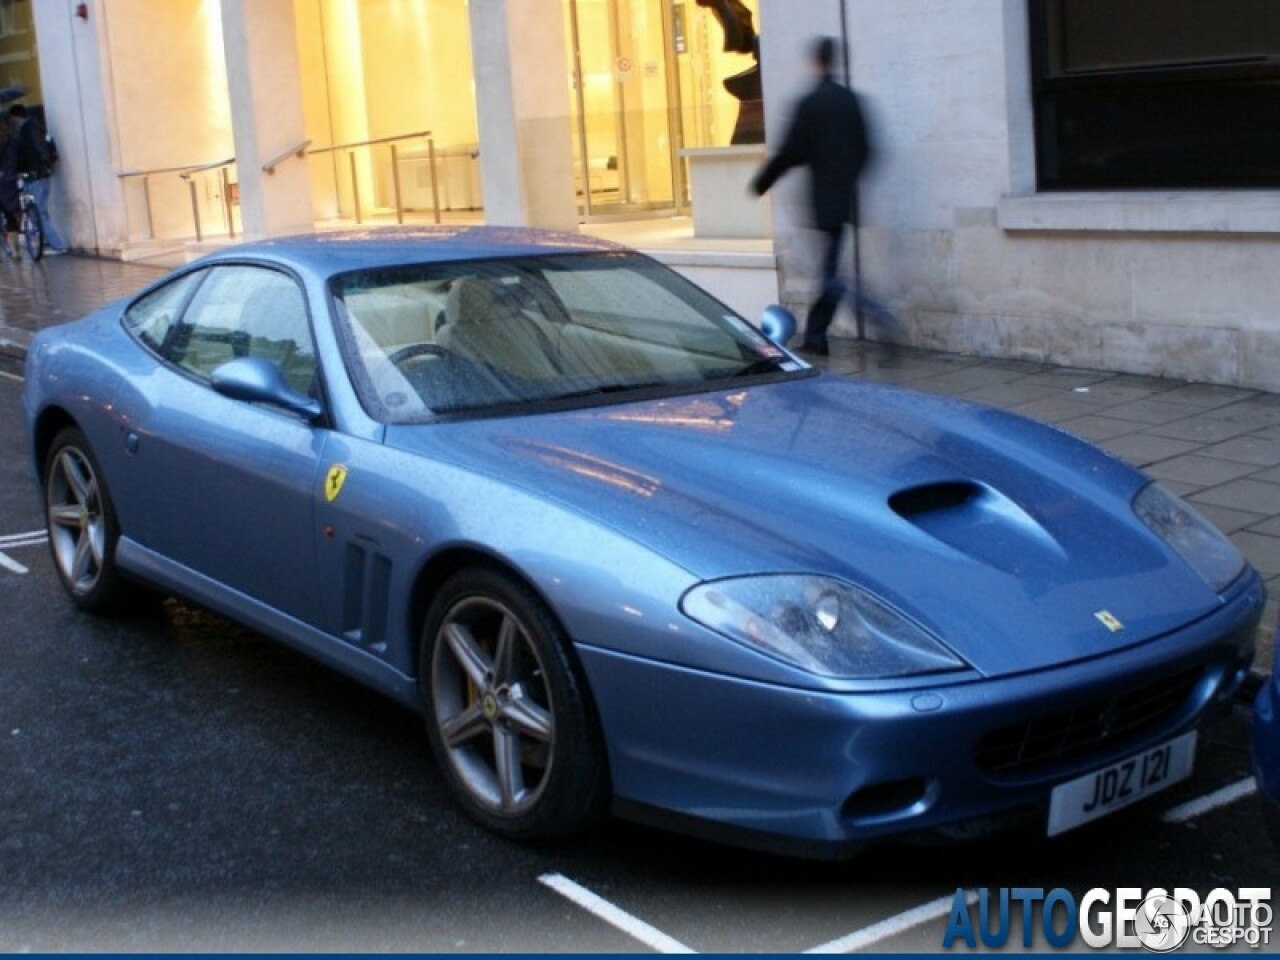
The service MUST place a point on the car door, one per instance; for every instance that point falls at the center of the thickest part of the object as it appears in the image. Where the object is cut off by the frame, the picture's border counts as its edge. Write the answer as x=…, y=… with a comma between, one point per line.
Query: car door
x=227, y=486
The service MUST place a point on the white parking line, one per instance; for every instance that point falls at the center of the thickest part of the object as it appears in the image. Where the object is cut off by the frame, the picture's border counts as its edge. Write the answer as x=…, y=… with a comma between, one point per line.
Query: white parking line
x=892, y=926
x=652, y=937
x=11, y=564
x=1212, y=801
x=875, y=933
x=32, y=539
x=10, y=376
x=634, y=927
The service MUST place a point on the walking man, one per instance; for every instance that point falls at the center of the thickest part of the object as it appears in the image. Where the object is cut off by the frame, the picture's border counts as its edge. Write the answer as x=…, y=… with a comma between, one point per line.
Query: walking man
x=828, y=134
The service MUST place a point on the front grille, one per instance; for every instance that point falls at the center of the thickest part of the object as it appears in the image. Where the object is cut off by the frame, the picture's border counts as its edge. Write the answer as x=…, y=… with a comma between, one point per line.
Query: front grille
x=1062, y=737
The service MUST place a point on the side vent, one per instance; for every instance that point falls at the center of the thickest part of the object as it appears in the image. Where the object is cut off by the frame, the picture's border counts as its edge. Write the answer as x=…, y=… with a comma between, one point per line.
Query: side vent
x=365, y=592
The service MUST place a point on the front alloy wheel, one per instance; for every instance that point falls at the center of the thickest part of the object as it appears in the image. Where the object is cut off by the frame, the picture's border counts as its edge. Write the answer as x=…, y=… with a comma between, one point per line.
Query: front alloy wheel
x=507, y=712
x=81, y=522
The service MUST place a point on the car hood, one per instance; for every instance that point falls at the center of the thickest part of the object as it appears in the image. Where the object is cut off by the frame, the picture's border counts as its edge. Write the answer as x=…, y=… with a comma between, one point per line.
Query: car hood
x=1012, y=541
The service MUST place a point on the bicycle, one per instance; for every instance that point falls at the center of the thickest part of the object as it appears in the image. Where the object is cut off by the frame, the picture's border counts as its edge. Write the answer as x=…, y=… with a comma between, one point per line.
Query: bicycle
x=29, y=223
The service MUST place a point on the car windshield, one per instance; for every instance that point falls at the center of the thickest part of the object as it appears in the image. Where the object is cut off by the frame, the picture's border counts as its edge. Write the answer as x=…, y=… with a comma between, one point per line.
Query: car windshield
x=441, y=338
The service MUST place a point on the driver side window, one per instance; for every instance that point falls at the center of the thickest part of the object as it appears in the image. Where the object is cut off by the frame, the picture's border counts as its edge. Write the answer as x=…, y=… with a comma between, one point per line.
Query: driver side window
x=242, y=311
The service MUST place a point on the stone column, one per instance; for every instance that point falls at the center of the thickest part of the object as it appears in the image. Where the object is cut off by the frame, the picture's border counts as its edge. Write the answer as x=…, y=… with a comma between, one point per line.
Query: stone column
x=265, y=88
x=522, y=98
x=88, y=199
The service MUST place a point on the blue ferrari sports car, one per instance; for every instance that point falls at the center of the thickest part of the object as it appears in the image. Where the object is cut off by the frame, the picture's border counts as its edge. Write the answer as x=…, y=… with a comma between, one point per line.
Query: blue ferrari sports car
x=626, y=553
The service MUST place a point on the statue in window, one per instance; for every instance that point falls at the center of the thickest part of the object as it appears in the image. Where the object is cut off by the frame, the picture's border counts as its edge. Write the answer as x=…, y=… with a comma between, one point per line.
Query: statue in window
x=740, y=37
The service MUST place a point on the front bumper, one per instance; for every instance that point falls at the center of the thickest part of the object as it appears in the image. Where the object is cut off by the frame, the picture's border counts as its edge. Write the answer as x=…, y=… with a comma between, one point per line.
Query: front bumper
x=813, y=772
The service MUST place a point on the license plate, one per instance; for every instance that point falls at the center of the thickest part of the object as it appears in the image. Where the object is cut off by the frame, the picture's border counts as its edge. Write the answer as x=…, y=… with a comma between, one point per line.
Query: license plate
x=1104, y=791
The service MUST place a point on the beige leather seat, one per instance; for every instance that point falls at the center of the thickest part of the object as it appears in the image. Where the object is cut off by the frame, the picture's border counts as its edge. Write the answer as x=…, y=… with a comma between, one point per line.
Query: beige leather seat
x=479, y=325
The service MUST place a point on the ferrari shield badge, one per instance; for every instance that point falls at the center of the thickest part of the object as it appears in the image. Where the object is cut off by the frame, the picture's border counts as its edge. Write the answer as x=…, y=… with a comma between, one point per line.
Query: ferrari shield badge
x=333, y=482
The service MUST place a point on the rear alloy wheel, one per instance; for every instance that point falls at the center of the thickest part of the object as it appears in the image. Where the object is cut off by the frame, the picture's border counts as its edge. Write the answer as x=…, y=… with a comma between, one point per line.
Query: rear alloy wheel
x=81, y=523
x=508, y=713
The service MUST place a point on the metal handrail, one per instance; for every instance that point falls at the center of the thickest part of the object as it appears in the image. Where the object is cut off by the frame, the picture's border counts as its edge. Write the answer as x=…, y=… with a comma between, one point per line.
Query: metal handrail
x=186, y=172
x=300, y=151
x=222, y=166
x=125, y=174
x=201, y=168
x=351, y=149
x=370, y=143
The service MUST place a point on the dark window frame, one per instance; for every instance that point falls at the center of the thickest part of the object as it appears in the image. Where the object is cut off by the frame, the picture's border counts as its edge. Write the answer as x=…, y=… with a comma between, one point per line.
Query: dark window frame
x=1206, y=123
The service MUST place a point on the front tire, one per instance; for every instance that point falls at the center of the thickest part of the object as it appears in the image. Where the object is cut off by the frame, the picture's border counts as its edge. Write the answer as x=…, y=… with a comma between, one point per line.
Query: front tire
x=82, y=525
x=508, y=713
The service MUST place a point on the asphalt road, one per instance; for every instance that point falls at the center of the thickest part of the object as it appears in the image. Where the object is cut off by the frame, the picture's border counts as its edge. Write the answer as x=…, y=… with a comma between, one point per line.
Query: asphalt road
x=172, y=782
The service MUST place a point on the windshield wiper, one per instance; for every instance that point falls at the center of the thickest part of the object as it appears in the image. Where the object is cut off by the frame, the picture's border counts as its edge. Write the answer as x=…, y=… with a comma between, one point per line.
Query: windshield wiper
x=760, y=365
x=601, y=389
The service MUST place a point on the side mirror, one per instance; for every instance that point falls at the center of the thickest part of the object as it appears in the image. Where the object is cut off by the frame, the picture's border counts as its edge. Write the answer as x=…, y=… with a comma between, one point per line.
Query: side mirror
x=778, y=324
x=255, y=380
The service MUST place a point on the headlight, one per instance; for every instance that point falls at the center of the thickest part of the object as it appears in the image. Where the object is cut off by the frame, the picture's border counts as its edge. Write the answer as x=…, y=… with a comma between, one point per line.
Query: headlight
x=1194, y=539
x=821, y=625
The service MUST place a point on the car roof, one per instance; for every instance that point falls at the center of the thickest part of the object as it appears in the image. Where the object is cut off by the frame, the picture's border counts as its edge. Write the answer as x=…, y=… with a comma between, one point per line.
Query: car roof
x=338, y=251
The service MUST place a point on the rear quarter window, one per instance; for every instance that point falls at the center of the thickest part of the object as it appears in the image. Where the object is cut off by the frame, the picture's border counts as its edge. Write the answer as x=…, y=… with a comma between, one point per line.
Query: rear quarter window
x=151, y=318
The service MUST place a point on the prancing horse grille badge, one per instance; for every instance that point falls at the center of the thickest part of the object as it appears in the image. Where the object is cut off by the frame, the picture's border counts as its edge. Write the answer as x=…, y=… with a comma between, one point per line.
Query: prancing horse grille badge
x=1108, y=620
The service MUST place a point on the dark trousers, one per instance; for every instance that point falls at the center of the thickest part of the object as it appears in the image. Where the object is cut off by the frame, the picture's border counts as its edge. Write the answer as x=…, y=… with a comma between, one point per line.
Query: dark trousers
x=823, y=311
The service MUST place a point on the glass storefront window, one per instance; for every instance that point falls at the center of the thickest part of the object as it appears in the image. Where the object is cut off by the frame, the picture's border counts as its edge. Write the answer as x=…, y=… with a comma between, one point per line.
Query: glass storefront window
x=624, y=152
x=1155, y=94
x=649, y=78
x=376, y=70
x=18, y=53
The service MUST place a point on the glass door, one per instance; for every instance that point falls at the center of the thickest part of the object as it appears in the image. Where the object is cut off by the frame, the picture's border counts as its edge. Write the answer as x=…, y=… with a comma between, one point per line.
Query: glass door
x=627, y=143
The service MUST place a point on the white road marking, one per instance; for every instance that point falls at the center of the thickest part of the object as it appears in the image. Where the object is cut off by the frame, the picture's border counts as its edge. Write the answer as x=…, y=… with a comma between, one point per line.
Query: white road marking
x=11, y=564
x=633, y=927
x=1212, y=801
x=32, y=539
x=654, y=938
x=10, y=376
x=892, y=926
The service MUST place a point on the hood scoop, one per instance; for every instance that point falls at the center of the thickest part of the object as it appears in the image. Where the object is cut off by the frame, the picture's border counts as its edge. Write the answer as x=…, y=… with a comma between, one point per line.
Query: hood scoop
x=934, y=498
x=981, y=523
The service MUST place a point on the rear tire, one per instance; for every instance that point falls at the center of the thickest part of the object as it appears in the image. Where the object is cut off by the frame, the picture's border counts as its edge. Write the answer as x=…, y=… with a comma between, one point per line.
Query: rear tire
x=507, y=709
x=81, y=520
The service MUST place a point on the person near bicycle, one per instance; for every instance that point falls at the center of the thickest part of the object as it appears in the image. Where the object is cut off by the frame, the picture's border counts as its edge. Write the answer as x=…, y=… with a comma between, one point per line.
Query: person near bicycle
x=36, y=171
x=9, y=204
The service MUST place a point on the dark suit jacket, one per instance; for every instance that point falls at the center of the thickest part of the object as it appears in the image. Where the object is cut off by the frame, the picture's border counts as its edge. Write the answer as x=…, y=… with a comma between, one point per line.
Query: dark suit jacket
x=30, y=154
x=828, y=135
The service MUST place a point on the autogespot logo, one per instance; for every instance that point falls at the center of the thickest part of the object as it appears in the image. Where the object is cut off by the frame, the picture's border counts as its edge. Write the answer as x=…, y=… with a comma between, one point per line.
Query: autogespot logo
x=1156, y=920
x=1162, y=924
